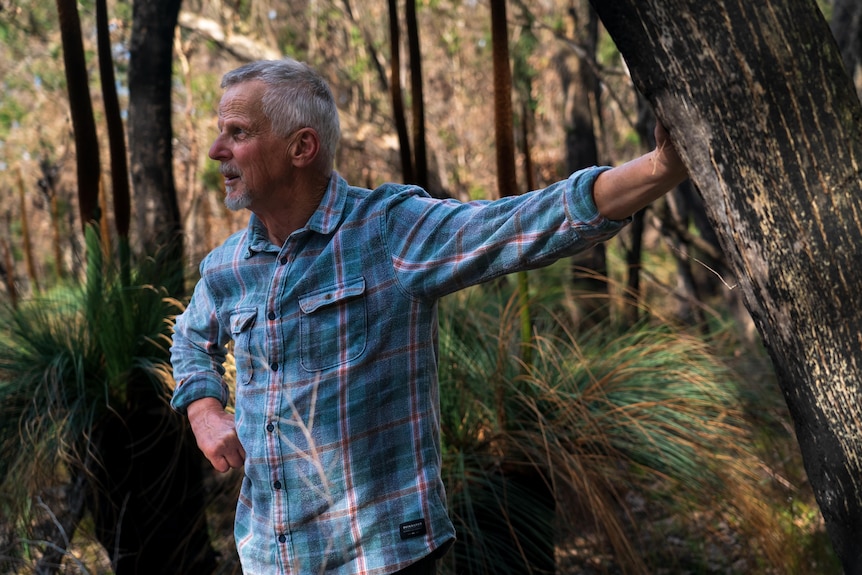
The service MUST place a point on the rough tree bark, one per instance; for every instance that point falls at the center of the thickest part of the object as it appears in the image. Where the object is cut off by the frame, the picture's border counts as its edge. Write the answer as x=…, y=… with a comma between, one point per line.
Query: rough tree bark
x=769, y=124
x=150, y=134
x=152, y=506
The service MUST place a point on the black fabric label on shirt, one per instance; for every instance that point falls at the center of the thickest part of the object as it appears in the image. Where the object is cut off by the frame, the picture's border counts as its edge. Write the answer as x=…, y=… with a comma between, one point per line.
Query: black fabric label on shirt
x=413, y=528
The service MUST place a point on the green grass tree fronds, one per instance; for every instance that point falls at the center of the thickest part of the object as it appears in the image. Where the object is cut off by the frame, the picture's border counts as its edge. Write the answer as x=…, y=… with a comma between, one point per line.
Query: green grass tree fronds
x=594, y=423
x=73, y=361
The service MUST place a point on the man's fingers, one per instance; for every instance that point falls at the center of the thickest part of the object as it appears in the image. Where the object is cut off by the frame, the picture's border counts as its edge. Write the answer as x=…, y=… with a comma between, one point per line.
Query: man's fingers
x=224, y=463
x=235, y=459
x=220, y=464
x=227, y=457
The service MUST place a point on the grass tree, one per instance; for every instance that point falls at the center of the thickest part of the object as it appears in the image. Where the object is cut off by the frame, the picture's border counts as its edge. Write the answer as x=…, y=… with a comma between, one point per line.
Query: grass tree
x=597, y=421
x=84, y=377
x=84, y=382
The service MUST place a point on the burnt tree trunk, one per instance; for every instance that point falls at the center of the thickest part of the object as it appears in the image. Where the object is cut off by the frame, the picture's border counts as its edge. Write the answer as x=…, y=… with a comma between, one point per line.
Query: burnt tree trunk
x=148, y=501
x=150, y=135
x=81, y=110
x=116, y=139
x=397, y=96
x=420, y=149
x=152, y=505
x=767, y=120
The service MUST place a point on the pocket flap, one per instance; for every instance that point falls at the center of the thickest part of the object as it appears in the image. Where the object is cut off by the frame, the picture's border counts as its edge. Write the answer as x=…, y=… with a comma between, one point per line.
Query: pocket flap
x=242, y=320
x=311, y=302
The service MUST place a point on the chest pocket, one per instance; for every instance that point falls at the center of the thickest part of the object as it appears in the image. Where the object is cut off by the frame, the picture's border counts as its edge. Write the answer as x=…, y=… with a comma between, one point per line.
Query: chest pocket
x=241, y=324
x=333, y=325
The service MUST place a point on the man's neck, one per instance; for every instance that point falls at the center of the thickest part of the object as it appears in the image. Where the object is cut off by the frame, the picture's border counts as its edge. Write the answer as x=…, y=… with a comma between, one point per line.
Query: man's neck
x=293, y=212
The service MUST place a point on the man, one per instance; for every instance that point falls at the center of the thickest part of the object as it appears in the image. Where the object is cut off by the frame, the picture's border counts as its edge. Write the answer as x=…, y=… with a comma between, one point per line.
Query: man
x=329, y=297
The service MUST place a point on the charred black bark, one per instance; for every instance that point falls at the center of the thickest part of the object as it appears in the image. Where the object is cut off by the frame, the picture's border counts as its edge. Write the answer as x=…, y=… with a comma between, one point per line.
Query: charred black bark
x=81, y=110
x=147, y=499
x=150, y=135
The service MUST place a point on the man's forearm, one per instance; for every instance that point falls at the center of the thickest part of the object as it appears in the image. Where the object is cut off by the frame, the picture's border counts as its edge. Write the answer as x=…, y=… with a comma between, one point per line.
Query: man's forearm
x=625, y=189
x=199, y=406
x=620, y=192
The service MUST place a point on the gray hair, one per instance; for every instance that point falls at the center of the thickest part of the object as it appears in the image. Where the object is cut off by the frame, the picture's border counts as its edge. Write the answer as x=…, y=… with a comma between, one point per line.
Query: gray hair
x=296, y=96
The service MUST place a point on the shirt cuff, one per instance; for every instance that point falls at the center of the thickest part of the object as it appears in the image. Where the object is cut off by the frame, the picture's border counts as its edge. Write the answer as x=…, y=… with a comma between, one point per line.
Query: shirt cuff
x=581, y=208
x=190, y=390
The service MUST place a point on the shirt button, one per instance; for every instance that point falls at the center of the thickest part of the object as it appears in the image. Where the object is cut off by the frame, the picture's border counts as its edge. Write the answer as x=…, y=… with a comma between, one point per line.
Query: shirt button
x=270, y=316
x=277, y=484
x=270, y=427
x=282, y=538
x=283, y=260
x=274, y=366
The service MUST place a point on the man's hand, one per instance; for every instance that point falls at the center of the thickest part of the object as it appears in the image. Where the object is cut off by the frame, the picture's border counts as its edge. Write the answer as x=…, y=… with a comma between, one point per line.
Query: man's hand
x=665, y=151
x=623, y=190
x=215, y=432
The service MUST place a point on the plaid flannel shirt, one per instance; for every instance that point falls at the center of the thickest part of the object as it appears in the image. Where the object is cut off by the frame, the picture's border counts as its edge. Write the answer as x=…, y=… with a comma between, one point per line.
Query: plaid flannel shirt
x=334, y=337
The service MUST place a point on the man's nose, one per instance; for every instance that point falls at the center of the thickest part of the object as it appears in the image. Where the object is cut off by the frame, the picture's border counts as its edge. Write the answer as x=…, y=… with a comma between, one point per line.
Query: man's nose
x=218, y=151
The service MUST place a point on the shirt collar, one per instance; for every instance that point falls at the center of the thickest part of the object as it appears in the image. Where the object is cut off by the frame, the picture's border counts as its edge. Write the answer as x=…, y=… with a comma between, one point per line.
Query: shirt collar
x=328, y=214
x=324, y=220
x=257, y=238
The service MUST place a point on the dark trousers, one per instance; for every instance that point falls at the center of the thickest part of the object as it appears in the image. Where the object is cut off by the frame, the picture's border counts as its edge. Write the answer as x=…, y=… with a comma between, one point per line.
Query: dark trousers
x=427, y=566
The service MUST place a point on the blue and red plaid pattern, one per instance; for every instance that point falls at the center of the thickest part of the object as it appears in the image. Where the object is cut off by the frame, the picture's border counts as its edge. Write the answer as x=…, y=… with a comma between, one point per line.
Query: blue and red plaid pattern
x=334, y=338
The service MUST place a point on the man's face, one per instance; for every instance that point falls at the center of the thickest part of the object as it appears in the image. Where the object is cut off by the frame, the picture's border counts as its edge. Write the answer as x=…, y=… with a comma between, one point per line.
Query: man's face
x=254, y=161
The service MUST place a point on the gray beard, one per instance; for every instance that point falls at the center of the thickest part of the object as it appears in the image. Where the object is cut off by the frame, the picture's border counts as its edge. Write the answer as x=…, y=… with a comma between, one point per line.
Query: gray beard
x=238, y=202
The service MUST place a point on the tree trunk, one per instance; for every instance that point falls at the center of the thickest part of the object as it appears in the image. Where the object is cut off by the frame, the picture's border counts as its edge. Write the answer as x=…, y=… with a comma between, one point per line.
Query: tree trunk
x=645, y=127
x=153, y=509
x=420, y=151
x=147, y=497
x=396, y=95
x=504, y=137
x=26, y=242
x=580, y=87
x=580, y=91
x=768, y=122
x=150, y=134
x=116, y=143
x=81, y=110
x=8, y=271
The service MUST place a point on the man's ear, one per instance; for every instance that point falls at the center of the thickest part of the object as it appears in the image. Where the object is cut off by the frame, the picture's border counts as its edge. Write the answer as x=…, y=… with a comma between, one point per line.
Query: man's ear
x=304, y=147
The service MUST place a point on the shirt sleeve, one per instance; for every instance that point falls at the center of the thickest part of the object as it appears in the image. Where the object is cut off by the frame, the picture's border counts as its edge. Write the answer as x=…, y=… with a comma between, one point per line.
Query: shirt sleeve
x=438, y=247
x=198, y=352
